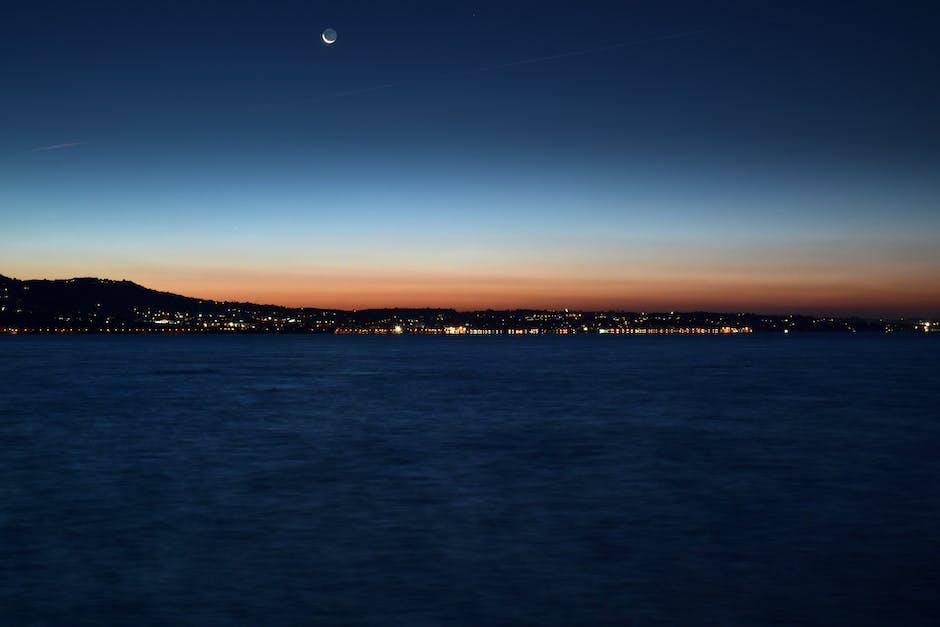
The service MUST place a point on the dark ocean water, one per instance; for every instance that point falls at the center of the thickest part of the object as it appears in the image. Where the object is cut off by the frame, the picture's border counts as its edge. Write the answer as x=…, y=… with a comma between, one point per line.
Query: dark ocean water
x=286, y=480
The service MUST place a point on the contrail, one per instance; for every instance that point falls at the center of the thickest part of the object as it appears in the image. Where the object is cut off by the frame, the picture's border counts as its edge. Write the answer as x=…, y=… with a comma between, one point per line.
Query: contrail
x=56, y=147
x=578, y=53
x=511, y=64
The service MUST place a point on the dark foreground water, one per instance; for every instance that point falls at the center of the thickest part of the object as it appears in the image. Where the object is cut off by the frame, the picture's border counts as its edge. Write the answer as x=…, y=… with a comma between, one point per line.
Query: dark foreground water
x=286, y=480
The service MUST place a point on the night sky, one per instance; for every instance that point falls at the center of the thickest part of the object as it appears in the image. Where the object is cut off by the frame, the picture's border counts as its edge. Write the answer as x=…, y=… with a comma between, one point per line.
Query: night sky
x=775, y=156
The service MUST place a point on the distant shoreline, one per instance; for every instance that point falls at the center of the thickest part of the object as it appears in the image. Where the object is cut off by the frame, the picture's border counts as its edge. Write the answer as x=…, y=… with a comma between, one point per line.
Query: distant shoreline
x=915, y=331
x=103, y=306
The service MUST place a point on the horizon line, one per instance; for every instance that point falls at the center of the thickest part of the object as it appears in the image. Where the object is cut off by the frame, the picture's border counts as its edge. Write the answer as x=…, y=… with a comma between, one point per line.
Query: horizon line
x=576, y=309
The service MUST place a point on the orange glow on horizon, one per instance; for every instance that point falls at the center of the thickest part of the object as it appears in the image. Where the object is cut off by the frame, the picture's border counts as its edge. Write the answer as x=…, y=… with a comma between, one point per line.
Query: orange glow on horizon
x=888, y=296
x=889, y=291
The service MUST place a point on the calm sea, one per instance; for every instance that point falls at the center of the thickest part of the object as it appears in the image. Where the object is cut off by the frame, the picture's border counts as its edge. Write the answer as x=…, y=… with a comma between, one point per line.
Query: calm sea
x=287, y=480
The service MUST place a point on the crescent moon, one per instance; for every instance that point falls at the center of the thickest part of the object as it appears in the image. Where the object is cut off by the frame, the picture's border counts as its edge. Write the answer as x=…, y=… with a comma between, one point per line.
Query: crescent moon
x=328, y=36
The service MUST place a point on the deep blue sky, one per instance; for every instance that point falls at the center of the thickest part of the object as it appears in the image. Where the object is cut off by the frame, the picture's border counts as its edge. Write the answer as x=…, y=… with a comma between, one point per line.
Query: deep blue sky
x=777, y=156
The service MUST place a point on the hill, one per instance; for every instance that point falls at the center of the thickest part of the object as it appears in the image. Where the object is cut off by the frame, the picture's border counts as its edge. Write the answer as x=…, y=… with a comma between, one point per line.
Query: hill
x=92, y=303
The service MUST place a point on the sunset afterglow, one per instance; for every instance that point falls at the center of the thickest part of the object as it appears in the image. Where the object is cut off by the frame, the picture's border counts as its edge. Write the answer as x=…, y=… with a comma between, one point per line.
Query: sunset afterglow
x=685, y=165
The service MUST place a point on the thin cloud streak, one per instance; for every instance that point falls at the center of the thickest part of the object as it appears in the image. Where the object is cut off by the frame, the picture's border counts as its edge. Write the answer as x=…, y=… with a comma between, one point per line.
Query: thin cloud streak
x=585, y=51
x=56, y=147
x=511, y=64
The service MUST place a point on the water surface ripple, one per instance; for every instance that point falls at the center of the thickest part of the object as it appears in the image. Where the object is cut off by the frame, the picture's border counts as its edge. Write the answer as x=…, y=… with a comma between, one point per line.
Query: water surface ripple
x=285, y=480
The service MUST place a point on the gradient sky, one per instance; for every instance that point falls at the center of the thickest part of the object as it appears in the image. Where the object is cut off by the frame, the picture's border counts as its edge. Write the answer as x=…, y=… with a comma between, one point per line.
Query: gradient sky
x=774, y=156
